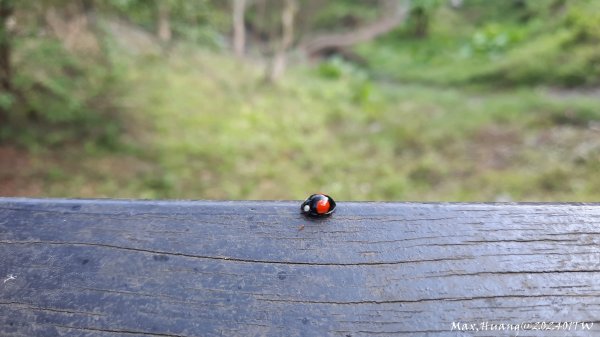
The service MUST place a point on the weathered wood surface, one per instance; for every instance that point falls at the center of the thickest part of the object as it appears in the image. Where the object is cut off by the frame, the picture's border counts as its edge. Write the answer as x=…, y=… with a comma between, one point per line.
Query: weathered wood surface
x=153, y=268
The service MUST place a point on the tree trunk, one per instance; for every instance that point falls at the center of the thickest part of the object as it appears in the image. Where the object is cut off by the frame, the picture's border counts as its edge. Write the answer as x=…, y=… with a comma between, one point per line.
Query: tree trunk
x=164, y=22
x=6, y=10
x=287, y=21
x=396, y=14
x=239, y=29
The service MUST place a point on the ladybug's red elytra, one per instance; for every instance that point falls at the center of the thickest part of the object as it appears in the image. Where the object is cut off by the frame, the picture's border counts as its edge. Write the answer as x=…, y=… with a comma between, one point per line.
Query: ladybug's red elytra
x=318, y=205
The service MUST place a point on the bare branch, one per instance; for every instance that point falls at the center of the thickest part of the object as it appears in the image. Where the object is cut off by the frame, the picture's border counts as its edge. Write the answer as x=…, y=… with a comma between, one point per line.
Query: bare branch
x=396, y=13
x=239, y=31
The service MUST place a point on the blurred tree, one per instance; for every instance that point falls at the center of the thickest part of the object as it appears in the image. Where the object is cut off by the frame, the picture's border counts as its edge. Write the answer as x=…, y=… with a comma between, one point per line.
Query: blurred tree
x=421, y=21
x=275, y=27
x=287, y=22
x=420, y=16
x=164, y=20
x=6, y=10
x=239, y=29
x=56, y=75
x=262, y=25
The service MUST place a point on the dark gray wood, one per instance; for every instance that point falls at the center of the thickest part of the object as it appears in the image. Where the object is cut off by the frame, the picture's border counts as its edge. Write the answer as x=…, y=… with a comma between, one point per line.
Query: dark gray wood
x=187, y=268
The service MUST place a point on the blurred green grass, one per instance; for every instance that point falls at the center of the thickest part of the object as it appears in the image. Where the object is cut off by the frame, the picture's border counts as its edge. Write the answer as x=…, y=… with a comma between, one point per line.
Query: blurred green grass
x=205, y=126
x=494, y=101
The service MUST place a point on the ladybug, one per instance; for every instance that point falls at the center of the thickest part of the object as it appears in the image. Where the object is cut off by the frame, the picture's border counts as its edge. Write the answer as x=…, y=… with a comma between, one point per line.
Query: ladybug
x=318, y=205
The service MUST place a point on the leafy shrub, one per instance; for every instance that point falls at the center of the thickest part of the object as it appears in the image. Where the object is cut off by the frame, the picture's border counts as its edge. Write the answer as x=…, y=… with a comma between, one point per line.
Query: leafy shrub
x=583, y=18
x=61, y=96
x=493, y=39
x=360, y=87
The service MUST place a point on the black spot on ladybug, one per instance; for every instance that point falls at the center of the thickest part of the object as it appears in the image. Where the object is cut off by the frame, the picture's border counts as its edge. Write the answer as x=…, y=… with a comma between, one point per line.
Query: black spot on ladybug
x=318, y=205
x=161, y=258
x=281, y=275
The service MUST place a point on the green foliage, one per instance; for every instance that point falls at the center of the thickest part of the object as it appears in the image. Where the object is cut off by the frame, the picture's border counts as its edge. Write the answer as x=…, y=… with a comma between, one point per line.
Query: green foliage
x=62, y=97
x=403, y=142
x=567, y=55
x=344, y=14
x=583, y=19
x=359, y=84
x=549, y=59
x=497, y=43
x=492, y=39
x=200, y=21
x=337, y=68
x=480, y=12
x=6, y=101
x=452, y=115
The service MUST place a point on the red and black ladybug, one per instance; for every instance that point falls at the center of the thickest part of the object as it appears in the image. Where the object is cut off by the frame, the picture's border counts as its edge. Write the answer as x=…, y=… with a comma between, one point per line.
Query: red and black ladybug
x=318, y=205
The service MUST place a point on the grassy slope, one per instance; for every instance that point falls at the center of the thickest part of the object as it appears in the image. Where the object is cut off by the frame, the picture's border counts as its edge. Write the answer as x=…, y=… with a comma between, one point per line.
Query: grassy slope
x=434, y=125
x=208, y=128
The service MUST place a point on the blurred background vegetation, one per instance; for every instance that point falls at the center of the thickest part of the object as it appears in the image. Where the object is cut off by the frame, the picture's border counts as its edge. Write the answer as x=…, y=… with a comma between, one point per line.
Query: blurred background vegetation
x=454, y=100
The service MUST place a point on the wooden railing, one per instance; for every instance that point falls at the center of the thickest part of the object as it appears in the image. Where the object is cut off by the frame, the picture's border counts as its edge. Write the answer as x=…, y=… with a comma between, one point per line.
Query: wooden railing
x=204, y=268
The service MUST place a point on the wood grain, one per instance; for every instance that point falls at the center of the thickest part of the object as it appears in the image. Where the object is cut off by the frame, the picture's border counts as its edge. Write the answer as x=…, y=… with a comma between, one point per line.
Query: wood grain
x=187, y=268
